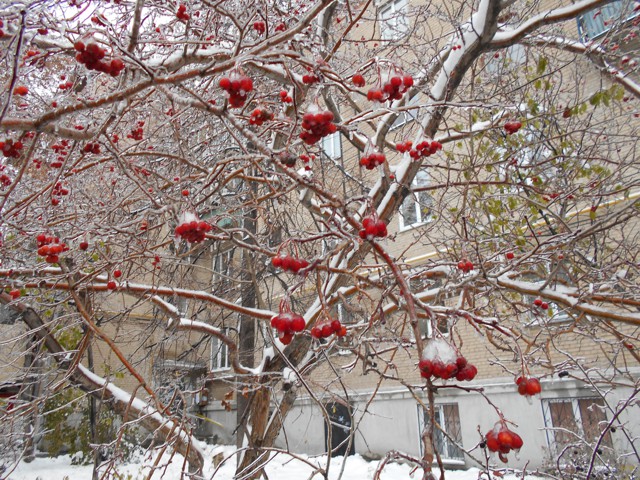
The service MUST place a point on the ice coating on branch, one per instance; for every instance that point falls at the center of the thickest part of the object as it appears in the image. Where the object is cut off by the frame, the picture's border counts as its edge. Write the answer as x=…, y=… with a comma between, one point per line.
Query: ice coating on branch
x=439, y=349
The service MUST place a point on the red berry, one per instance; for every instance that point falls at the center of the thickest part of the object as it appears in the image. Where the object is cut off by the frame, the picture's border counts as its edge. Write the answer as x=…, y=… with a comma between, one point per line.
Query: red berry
x=117, y=273
x=20, y=90
x=111, y=285
x=358, y=80
x=14, y=294
x=533, y=387
x=297, y=323
x=510, y=255
x=84, y=245
x=505, y=439
x=492, y=441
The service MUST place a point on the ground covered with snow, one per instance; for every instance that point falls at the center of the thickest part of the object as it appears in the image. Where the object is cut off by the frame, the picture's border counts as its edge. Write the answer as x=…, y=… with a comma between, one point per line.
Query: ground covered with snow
x=220, y=464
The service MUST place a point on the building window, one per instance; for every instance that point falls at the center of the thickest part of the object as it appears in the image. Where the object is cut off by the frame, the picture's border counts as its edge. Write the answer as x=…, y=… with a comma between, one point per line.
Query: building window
x=599, y=20
x=393, y=19
x=573, y=421
x=416, y=208
x=220, y=353
x=221, y=268
x=332, y=146
x=447, y=431
x=509, y=58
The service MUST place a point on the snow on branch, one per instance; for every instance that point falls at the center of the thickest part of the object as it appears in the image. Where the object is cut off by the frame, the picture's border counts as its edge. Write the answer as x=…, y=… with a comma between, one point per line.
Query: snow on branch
x=593, y=52
x=570, y=297
x=506, y=37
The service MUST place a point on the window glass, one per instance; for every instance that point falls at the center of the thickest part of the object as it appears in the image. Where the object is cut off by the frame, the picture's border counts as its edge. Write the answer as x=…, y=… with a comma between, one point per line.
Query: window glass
x=574, y=420
x=393, y=20
x=447, y=432
x=332, y=146
x=219, y=353
x=599, y=20
x=416, y=208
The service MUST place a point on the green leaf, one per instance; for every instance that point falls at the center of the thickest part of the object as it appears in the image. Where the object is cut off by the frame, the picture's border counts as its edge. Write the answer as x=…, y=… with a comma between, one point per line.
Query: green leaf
x=542, y=65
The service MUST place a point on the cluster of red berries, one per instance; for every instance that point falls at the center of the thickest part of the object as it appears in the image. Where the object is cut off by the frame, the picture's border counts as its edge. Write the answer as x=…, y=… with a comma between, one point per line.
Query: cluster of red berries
x=192, y=229
x=58, y=190
x=512, y=127
x=358, y=80
x=91, y=148
x=10, y=148
x=259, y=116
x=138, y=132
x=328, y=328
x=501, y=439
x=15, y=294
x=317, y=126
x=372, y=160
x=528, y=386
x=306, y=159
x=182, y=12
x=391, y=90
x=65, y=86
x=310, y=79
x=50, y=248
x=287, y=323
x=60, y=149
x=5, y=180
x=285, y=97
x=21, y=90
x=91, y=56
x=425, y=149
x=403, y=147
x=460, y=369
x=259, y=27
x=289, y=263
x=540, y=304
x=465, y=266
x=237, y=87
x=373, y=227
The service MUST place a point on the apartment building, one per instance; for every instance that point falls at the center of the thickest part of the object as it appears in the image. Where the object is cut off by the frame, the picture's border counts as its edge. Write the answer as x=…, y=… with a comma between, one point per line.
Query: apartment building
x=359, y=401
x=534, y=209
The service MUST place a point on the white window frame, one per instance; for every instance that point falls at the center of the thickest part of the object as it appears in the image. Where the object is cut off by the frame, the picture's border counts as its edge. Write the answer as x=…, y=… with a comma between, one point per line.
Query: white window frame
x=220, y=265
x=393, y=19
x=448, y=447
x=412, y=201
x=220, y=359
x=332, y=146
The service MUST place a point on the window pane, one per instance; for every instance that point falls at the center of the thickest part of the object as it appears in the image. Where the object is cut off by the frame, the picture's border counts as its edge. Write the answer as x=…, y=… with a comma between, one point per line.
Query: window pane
x=599, y=20
x=393, y=21
x=416, y=208
x=448, y=418
x=409, y=212
x=331, y=146
x=563, y=418
x=451, y=416
x=219, y=354
x=594, y=419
